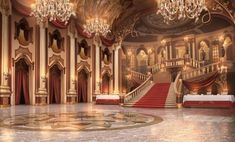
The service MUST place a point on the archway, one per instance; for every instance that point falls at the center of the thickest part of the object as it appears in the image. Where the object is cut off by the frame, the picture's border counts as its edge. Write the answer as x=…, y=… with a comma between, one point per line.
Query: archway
x=55, y=85
x=105, y=84
x=215, y=89
x=22, y=83
x=142, y=61
x=82, y=86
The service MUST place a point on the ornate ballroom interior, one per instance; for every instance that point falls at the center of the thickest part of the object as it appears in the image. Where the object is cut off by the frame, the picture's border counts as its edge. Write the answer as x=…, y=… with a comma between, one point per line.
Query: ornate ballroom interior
x=117, y=70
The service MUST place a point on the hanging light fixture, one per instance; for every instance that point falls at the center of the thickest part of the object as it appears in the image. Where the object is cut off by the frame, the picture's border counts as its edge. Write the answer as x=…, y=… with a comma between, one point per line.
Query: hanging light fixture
x=97, y=16
x=97, y=26
x=181, y=9
x=53, y=10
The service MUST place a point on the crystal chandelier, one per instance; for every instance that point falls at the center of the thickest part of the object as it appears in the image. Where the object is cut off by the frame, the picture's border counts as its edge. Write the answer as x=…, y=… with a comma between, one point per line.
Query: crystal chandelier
x=53, y=10
x=180, y=9
x=97, y=26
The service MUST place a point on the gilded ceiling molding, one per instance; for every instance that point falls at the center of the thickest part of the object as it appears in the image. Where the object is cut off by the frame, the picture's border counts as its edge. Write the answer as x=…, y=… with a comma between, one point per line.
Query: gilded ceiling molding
x=223, y=8
x=126, y=26
x=56, y=59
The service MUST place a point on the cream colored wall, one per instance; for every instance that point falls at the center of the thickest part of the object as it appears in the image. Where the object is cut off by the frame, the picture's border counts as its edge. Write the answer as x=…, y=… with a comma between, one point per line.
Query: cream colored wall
x=180, y=44
x=31, y=47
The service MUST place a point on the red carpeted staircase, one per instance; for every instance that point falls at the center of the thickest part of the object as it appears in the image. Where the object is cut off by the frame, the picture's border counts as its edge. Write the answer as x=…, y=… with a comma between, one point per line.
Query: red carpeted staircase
x=155, y=97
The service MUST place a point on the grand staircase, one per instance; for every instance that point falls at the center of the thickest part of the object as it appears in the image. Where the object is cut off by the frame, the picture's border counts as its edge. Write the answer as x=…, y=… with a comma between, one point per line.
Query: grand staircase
x=157, y=90
x=152, y=93
x=155, y=97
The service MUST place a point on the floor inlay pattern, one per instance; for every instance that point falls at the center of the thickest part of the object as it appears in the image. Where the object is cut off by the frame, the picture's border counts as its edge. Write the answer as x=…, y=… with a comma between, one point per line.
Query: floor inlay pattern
x=79, y=121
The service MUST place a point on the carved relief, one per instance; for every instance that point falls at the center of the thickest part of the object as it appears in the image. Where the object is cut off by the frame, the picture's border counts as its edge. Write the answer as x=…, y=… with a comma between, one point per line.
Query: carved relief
x=56, y=42
x=106, y=56
x=25, y=54
x=106, y=70
x=83, y=65
x=56, y=59
x=23, y=51
x=23, y=33
x=84, y=50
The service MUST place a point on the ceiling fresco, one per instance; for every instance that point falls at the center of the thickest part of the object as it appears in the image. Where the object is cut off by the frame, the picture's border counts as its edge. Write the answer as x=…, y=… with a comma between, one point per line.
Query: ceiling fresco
x=137, y=21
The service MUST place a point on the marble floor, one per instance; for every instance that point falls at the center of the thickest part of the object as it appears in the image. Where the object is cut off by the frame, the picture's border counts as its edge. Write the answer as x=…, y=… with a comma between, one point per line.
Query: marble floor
x=101, y=123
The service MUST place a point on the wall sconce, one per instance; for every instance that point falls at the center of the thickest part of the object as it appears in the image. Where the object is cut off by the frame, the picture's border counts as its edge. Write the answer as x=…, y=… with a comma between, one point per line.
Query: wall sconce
x=6, y=75
x=43, y=77
x=163, y=42
x=186, y=39
x=150, y=51
x=221, y=38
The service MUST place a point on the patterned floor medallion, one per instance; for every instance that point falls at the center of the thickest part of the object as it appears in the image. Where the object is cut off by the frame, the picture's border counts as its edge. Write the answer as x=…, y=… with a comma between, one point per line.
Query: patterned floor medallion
x=80, y=121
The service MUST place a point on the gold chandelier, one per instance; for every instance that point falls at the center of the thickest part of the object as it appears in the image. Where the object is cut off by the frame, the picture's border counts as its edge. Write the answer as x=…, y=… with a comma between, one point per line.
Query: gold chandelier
x=97, y=16
x=181, y=9
x=53, y=10
x=97, y=26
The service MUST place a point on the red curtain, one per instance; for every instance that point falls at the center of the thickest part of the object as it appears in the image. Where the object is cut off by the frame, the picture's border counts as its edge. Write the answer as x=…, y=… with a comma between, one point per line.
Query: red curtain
x=82, y=86
x=21, y=83
x=201, y=83
x=55, y=85
x=106, y=41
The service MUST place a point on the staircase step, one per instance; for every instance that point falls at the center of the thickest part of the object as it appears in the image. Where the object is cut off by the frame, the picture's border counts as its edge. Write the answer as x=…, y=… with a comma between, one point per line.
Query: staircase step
x=155, y=97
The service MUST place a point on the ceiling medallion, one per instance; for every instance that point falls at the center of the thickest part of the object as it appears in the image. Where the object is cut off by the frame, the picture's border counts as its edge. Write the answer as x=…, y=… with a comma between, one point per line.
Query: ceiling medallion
x=53, y=10
x=97, y=26
x=173, y=10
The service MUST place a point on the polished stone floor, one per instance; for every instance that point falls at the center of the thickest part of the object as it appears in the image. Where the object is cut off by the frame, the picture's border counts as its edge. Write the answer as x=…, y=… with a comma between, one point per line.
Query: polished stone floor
x=101, y=123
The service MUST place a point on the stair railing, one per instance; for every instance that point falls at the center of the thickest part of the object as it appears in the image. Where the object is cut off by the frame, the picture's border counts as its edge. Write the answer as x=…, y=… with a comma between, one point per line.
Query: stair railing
x=138, y=75
x=201, y=70
x=176, y=62
x=131, y=95
x=178, y=85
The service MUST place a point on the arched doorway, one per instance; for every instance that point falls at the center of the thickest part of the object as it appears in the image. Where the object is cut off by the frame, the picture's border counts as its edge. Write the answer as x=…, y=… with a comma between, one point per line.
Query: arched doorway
x=22, y=83
x=82, y=86
x=55, y=85
x=142, y=61
x=105, y=83
x=215, y=89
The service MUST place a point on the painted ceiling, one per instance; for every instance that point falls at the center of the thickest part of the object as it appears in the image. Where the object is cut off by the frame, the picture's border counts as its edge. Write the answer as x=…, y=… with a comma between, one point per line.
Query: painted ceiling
x=136, y=20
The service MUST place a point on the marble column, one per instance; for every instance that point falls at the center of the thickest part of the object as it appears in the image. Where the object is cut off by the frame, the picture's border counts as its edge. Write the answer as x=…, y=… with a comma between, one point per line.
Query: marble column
x=72, y=91
x=41, y=96
x=193, y=50
x=170, y=46
x=96, y=42
x=116, y=68
x=5, y=92
x=167, y=52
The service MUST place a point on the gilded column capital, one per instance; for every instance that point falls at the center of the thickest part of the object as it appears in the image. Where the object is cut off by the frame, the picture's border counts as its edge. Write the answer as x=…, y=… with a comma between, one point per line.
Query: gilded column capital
x=5, y=7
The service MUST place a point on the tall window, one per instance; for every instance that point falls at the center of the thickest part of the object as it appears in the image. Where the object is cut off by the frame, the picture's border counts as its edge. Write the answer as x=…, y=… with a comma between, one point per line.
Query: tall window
x=215, y=53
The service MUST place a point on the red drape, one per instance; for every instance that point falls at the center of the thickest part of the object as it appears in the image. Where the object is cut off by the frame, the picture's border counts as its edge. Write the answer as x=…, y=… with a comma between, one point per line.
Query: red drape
x=21, y=83
x=201, y=83
x=82, y=87
x=59, y=24
x=106, y=41
x=55, y=85
x=21, y=8
x=82, y=33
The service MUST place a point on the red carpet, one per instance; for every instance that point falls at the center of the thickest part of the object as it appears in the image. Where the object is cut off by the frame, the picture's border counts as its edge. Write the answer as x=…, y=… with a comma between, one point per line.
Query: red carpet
x=155, y=97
